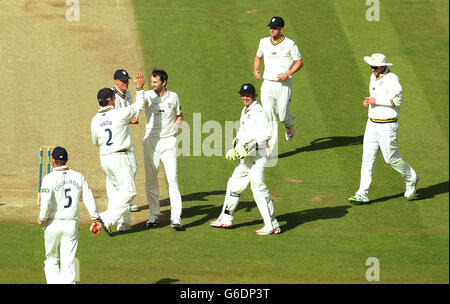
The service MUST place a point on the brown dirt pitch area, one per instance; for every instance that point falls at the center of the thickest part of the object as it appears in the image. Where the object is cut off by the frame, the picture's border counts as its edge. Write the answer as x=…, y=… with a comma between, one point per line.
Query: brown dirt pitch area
x=52, y=70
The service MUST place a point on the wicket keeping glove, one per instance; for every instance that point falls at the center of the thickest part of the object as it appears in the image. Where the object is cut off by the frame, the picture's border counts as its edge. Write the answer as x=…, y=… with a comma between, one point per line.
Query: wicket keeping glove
x=231, y=154
x=242, y=151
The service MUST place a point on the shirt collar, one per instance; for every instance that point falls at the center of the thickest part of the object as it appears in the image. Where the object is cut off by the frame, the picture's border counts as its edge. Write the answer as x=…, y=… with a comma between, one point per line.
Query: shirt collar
x=246, y=110
x=119, y=92
x=162, y=97
x=277, y=42
x=61, y=168
x=387, y=71
x=105, y=109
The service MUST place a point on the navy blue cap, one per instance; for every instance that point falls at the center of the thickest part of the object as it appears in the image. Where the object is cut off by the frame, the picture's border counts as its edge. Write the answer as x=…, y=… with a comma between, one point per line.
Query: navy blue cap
x=247, y=88
x=121, y=75
x=59, y=153
x=276, y=22
x=105, y=94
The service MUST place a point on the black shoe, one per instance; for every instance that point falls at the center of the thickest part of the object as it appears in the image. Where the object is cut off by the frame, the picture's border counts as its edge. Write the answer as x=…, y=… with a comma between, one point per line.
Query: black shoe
x=152, y=222
x=177, y=226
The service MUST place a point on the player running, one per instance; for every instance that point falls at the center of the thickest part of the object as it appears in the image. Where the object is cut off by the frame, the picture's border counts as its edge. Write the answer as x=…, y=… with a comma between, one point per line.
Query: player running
x=282, y=59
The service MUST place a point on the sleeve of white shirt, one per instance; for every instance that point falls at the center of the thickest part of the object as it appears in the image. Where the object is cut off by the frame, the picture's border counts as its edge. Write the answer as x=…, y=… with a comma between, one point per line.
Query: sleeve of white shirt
x=147, y=98
x=295, y=52
x=394, y=96
x=89, y=201
x=136, y=108
x=178, y=110
x=46, y=199
x=139, y=104
x=128, y=98
x=94, y=134
x=260, y=52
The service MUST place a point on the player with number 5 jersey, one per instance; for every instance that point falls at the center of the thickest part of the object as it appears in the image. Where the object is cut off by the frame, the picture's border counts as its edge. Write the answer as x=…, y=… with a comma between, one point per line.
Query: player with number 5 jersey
x=110, y=132
x=61, y=192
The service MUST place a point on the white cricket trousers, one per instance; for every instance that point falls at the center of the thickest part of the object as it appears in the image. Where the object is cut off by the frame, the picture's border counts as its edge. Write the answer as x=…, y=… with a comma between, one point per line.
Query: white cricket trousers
x=275, y=99
x=120, y=187
x=61, y=242
x=126, y=219
x=250, y=170
x=158, y=149
x=382, y=136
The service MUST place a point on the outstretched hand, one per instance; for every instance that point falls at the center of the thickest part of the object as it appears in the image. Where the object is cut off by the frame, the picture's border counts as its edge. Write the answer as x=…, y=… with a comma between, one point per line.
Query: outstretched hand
x=139, y=80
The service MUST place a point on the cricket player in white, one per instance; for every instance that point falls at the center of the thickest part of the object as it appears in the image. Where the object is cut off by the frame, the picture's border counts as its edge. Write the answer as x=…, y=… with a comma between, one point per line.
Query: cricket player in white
x=282, y=59
x=61, y=192
x=164, y=117
x=110, y=132
x=382, y=128
x=124, y=99
x=254, y=131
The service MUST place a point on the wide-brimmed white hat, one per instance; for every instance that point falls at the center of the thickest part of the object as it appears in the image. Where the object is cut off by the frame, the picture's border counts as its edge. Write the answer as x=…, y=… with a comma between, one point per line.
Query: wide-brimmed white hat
x=376, y=60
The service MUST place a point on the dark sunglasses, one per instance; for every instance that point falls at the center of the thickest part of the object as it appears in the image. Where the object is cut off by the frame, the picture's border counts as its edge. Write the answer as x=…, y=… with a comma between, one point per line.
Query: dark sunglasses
x=374, y=67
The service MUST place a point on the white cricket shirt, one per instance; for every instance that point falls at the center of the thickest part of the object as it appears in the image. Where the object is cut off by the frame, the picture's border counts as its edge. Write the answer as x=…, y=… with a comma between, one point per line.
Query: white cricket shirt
x=109, y=127
x=278, y=57
x=161, y=113
x=61, y=191
x=122, y=99
x=254, y=125
x=388, y=93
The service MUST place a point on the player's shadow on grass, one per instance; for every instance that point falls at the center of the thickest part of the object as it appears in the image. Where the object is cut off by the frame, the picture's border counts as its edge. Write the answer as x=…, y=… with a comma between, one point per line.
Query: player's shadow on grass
x=197, y=196
x=210, y=211
x=421, y=193
x=295, y=219
x=326, y=143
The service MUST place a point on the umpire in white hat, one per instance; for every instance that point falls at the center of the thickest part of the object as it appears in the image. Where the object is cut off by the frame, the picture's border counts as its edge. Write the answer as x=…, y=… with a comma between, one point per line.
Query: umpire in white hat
x=382, y=128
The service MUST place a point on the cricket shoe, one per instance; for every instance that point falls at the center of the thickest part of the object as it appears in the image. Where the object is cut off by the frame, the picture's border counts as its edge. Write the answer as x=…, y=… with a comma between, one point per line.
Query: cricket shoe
x=266, y=230
x=134, y=208
x=152, y=221
x=358, y=199
x=289, y=135
x=122, y=227
x=411, y=189
x=221, y=224
x=176, y=226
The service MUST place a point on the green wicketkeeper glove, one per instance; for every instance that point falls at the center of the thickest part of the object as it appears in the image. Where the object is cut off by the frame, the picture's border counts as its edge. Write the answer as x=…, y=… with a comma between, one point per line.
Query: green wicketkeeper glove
x=240, y=151
x=231, y=154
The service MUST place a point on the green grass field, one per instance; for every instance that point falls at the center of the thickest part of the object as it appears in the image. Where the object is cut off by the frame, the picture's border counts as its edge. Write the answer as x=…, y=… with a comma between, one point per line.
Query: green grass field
x=207, y=48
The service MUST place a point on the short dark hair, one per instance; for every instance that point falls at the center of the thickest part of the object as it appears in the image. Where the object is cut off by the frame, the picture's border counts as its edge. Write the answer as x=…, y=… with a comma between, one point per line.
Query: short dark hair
x=60, y=162
x=161, y=74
